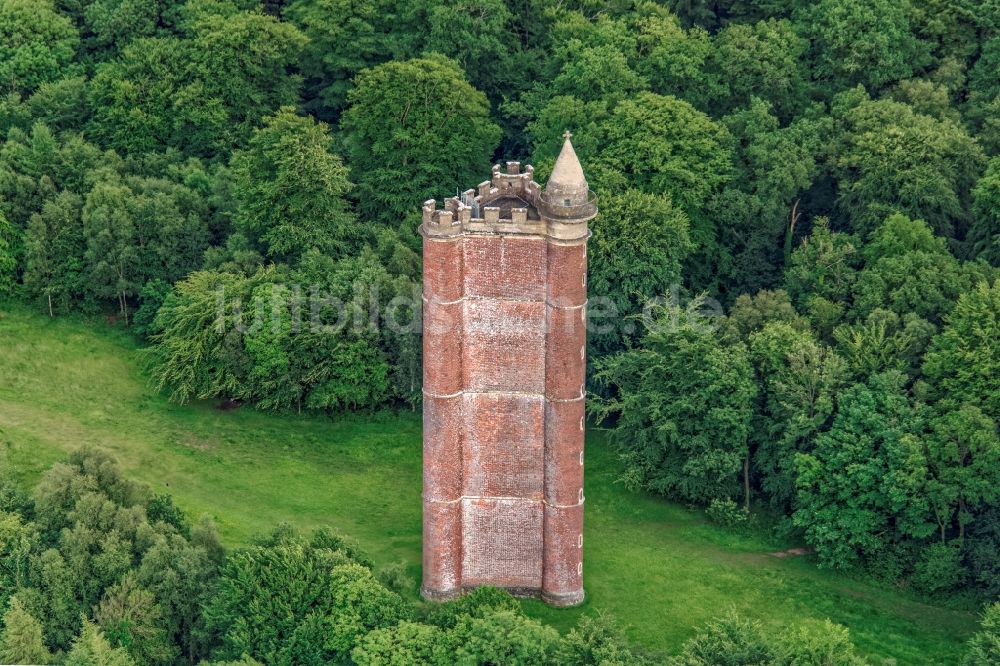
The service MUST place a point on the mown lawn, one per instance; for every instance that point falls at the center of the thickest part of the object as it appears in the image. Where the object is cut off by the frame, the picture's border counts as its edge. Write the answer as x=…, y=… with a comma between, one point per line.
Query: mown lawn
x=656, y=567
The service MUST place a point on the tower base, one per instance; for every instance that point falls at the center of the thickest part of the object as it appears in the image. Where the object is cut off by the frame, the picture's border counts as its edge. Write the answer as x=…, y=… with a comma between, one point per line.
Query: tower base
x=555, y=599
x=563, y=599
x=439, y=595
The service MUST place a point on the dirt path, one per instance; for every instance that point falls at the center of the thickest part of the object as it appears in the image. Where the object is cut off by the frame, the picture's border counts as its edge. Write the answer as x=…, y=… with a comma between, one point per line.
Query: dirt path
x=792, y=552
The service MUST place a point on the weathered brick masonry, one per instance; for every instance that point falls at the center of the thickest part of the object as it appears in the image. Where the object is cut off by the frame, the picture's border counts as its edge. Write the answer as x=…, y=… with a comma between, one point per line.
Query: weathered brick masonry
x=504, y=356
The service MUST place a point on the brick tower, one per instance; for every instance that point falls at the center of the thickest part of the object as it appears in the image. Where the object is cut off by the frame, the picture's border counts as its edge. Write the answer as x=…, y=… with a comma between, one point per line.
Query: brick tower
x=505, y=292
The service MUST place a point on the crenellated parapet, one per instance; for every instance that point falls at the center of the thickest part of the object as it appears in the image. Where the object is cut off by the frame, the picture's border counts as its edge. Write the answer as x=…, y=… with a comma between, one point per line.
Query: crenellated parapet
x=512, y=182
x=511, y=202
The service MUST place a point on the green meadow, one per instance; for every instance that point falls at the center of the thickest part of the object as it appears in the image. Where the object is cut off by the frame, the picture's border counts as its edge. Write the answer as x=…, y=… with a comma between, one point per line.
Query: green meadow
x=658, y=568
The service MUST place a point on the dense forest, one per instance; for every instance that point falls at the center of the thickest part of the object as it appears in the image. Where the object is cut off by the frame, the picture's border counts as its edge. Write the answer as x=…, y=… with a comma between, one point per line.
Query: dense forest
x=794, y=275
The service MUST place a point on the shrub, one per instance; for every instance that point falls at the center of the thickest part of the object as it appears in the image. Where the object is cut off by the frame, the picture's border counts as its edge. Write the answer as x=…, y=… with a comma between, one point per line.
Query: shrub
x=984, y=648
x=727, y=513
x=939, y=568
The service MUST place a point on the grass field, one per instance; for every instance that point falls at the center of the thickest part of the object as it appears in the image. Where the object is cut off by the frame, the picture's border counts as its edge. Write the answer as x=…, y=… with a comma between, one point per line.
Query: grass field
x=656, y=567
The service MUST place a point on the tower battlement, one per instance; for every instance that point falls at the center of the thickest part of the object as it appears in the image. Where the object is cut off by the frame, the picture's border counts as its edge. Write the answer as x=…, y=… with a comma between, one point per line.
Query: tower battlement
x=505, y=298
x=510, y=202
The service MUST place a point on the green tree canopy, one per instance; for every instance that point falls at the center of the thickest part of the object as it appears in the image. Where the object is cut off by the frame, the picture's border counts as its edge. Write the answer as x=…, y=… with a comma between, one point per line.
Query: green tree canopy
x=37, y=44
x=477, y=35
x=9, y=242
x=799, y=379
x=404, y=643
x=763, y=60
x=415, y=130
x=345, y=37
x=868, y=42
x=675, y=60
x=984, y=647
x=203, y=94
x=504, y=637
x=294, y=600
x=290, y=190
x=984, y=234
x=729, y=639
x=21, y=637
x=684, y=403
x=910, y=272
x=984, y=91
x=825, y=265
x=130, y=618
x=862, y=484
x=91, y=648
x=963, y=361
x=665, y=146
x=963, y=458
x=640, y=243
x=112, y=253
x=54, y=252
x=892, y=159
x=758, y=209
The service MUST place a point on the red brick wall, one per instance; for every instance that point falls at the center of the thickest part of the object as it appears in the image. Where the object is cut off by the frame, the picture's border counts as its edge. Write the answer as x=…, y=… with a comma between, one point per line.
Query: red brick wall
x=504, y=341
x=443, y=314
x=565, y=364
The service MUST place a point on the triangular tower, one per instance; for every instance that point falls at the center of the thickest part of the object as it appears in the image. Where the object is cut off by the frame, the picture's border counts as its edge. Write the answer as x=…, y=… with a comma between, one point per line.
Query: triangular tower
x=504, y=357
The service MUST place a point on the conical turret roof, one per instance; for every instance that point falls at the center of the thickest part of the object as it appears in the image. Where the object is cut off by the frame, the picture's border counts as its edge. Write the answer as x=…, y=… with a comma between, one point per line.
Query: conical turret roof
x=567, y=180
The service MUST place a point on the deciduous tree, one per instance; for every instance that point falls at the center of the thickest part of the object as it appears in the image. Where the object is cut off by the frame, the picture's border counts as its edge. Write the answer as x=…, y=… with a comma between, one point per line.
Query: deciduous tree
x=963, y=460
x=8, y=256
x=862, y=485
x=290, y=191
x=130, y=618
x=345, y=37
x=799, y=379
x=868, y=42
x=665, y=146
x=204, y=94
x=415, y=130
x=112, y=256
x=91, y=648
x=684, y=404
x=963, y=361
x=54, y=246
x=763, y=60
x=21, y=637
x=37, y=44
x=984, y=647
x=984, y=234
x=297, y=601
x=640, y=243
x=892, y=159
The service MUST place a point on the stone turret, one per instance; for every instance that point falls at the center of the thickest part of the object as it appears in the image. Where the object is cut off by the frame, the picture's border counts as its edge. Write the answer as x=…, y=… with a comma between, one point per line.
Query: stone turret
x=567, y=183
x=504, y=359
